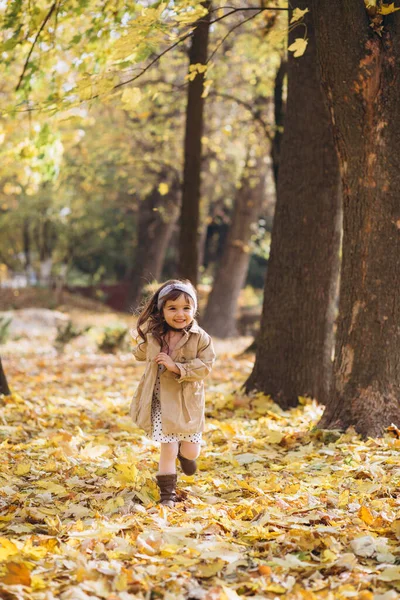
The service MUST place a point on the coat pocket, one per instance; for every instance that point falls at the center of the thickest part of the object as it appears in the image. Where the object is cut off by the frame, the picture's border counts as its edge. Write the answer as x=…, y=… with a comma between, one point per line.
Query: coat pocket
x=193, y=400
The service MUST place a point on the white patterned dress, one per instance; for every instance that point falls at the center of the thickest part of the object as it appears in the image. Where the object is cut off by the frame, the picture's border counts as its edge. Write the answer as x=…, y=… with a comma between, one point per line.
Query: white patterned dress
x=157, y=434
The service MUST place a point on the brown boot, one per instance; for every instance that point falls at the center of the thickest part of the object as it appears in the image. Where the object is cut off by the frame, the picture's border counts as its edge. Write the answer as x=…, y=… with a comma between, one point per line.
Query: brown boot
x=167, y=485
x=189, y=467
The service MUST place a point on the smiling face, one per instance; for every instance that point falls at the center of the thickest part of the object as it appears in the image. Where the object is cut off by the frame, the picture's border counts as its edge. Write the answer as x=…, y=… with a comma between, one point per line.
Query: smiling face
x=178, y=313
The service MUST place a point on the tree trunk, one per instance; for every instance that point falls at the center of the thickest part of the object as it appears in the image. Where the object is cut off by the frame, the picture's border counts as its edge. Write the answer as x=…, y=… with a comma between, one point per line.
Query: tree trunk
x=360, y=69
x=26, y=239
x=220, y=314
x=189, y=223
x=279, y=116
x=156, y=220
x=4, y=389
x=295, y=342
x=202, y=231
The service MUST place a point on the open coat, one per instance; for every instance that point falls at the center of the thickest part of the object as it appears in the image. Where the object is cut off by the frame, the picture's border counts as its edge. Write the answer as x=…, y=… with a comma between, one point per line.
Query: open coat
x=182, y=396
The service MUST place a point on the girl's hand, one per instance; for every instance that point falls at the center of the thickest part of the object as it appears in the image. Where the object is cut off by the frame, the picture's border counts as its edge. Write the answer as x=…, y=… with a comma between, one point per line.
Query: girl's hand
x=164, y=359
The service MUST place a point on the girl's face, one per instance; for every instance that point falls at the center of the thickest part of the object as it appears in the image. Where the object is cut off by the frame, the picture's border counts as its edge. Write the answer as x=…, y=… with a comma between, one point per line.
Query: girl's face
x=178, y=313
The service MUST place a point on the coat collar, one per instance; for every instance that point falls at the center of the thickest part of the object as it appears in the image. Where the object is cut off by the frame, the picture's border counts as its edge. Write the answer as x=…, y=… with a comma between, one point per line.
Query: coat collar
x=194, y=329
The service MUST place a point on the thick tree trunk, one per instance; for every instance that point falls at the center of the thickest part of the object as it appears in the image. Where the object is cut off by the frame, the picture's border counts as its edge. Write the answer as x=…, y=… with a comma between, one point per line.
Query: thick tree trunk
x=294, y=345
x=360, y=70
x=156, y=220
x=4, y=389
x=220, y=315
x=189, y=223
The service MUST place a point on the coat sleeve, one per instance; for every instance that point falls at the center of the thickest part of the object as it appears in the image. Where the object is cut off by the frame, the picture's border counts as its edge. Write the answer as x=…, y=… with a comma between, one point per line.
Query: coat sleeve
x=140, y=349
x=198, y=368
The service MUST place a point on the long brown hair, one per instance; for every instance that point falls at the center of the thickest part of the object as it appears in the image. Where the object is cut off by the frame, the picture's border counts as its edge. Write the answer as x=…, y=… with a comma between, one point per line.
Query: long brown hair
x=154, y=318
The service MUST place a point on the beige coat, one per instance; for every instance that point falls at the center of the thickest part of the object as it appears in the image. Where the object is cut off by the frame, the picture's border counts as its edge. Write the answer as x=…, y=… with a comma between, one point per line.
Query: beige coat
x=181, y=396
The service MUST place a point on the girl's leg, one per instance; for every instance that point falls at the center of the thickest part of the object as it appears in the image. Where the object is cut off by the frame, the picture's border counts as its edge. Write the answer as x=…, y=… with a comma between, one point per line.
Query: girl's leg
x=168, y=454
x=189, y=450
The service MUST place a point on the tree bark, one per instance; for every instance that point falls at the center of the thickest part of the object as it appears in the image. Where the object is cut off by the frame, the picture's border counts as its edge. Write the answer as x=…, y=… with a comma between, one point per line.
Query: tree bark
x=4, y=389
x=295, y=342
x=220, y=315
x=360, y=67
x=189, y=223
x=156, y=220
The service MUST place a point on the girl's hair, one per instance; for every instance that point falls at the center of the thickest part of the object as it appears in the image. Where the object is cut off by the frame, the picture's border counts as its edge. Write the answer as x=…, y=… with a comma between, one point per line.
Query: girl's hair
x=154, y=317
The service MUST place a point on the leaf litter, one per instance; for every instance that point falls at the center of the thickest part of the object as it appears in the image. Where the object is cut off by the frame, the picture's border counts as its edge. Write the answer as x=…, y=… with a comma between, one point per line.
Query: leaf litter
x=278, y=508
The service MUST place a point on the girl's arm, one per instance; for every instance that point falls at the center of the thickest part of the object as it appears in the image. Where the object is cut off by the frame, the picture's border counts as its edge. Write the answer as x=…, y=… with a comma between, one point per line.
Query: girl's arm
x=198, y=368
x=140, y=350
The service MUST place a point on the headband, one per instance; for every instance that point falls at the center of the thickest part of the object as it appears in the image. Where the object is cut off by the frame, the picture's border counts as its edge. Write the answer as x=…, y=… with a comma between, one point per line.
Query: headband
x=177, y=286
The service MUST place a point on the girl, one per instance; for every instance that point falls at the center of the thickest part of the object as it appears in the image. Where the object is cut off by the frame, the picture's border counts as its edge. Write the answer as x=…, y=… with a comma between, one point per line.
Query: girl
x=169, y=401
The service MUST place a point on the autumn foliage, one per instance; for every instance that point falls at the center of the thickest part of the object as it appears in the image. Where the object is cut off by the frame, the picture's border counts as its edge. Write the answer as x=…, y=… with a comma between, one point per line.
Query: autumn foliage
x=278, y=509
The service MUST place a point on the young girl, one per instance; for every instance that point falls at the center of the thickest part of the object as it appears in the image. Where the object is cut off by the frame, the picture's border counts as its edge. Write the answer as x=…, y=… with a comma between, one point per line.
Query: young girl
x=169, y=401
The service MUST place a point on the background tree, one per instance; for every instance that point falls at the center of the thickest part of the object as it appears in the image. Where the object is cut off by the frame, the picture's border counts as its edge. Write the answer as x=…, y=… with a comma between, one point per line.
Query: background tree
x=4, y=389
x=220, y=314
x=294, y=346
x=190, y=211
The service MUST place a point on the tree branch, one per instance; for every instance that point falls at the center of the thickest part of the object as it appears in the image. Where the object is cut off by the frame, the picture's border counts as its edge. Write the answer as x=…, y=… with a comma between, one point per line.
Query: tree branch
x=188, y=35
x=156, y=59
x=47, y=17
x=235, y=10
x=230, y=31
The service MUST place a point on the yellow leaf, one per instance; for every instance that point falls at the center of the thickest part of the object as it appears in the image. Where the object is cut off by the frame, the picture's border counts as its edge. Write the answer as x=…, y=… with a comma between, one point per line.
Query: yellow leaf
x=106, y=84
x=390, y=574
x=127, y=473
x=124, y=47
x=52, y=487
x=23, y=469
x=169, y=550
x=198, y=67
x=365, y=514
x=7, y=548
x=121, y=582
x=113, y=504
x=273, y=436
x=229, y=594
x=328, y=556
x=395, y=526
x=93, y=452
x=209, y=569
x=207, y=85
x=38, y=583
x=298, y=14
x=343, y=499
x=131, y=97
x=298, y=47
x=32, y=550
x=163, y=188
x=276, y=588
x=191, y=16
x=387, y=9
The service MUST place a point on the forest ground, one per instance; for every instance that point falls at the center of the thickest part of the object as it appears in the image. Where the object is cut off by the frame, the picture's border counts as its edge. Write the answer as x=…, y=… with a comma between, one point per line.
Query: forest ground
x=278, y=509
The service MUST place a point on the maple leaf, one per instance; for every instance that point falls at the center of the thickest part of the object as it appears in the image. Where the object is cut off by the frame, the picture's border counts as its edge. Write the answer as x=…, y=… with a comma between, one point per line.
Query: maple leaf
x=298, y=47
